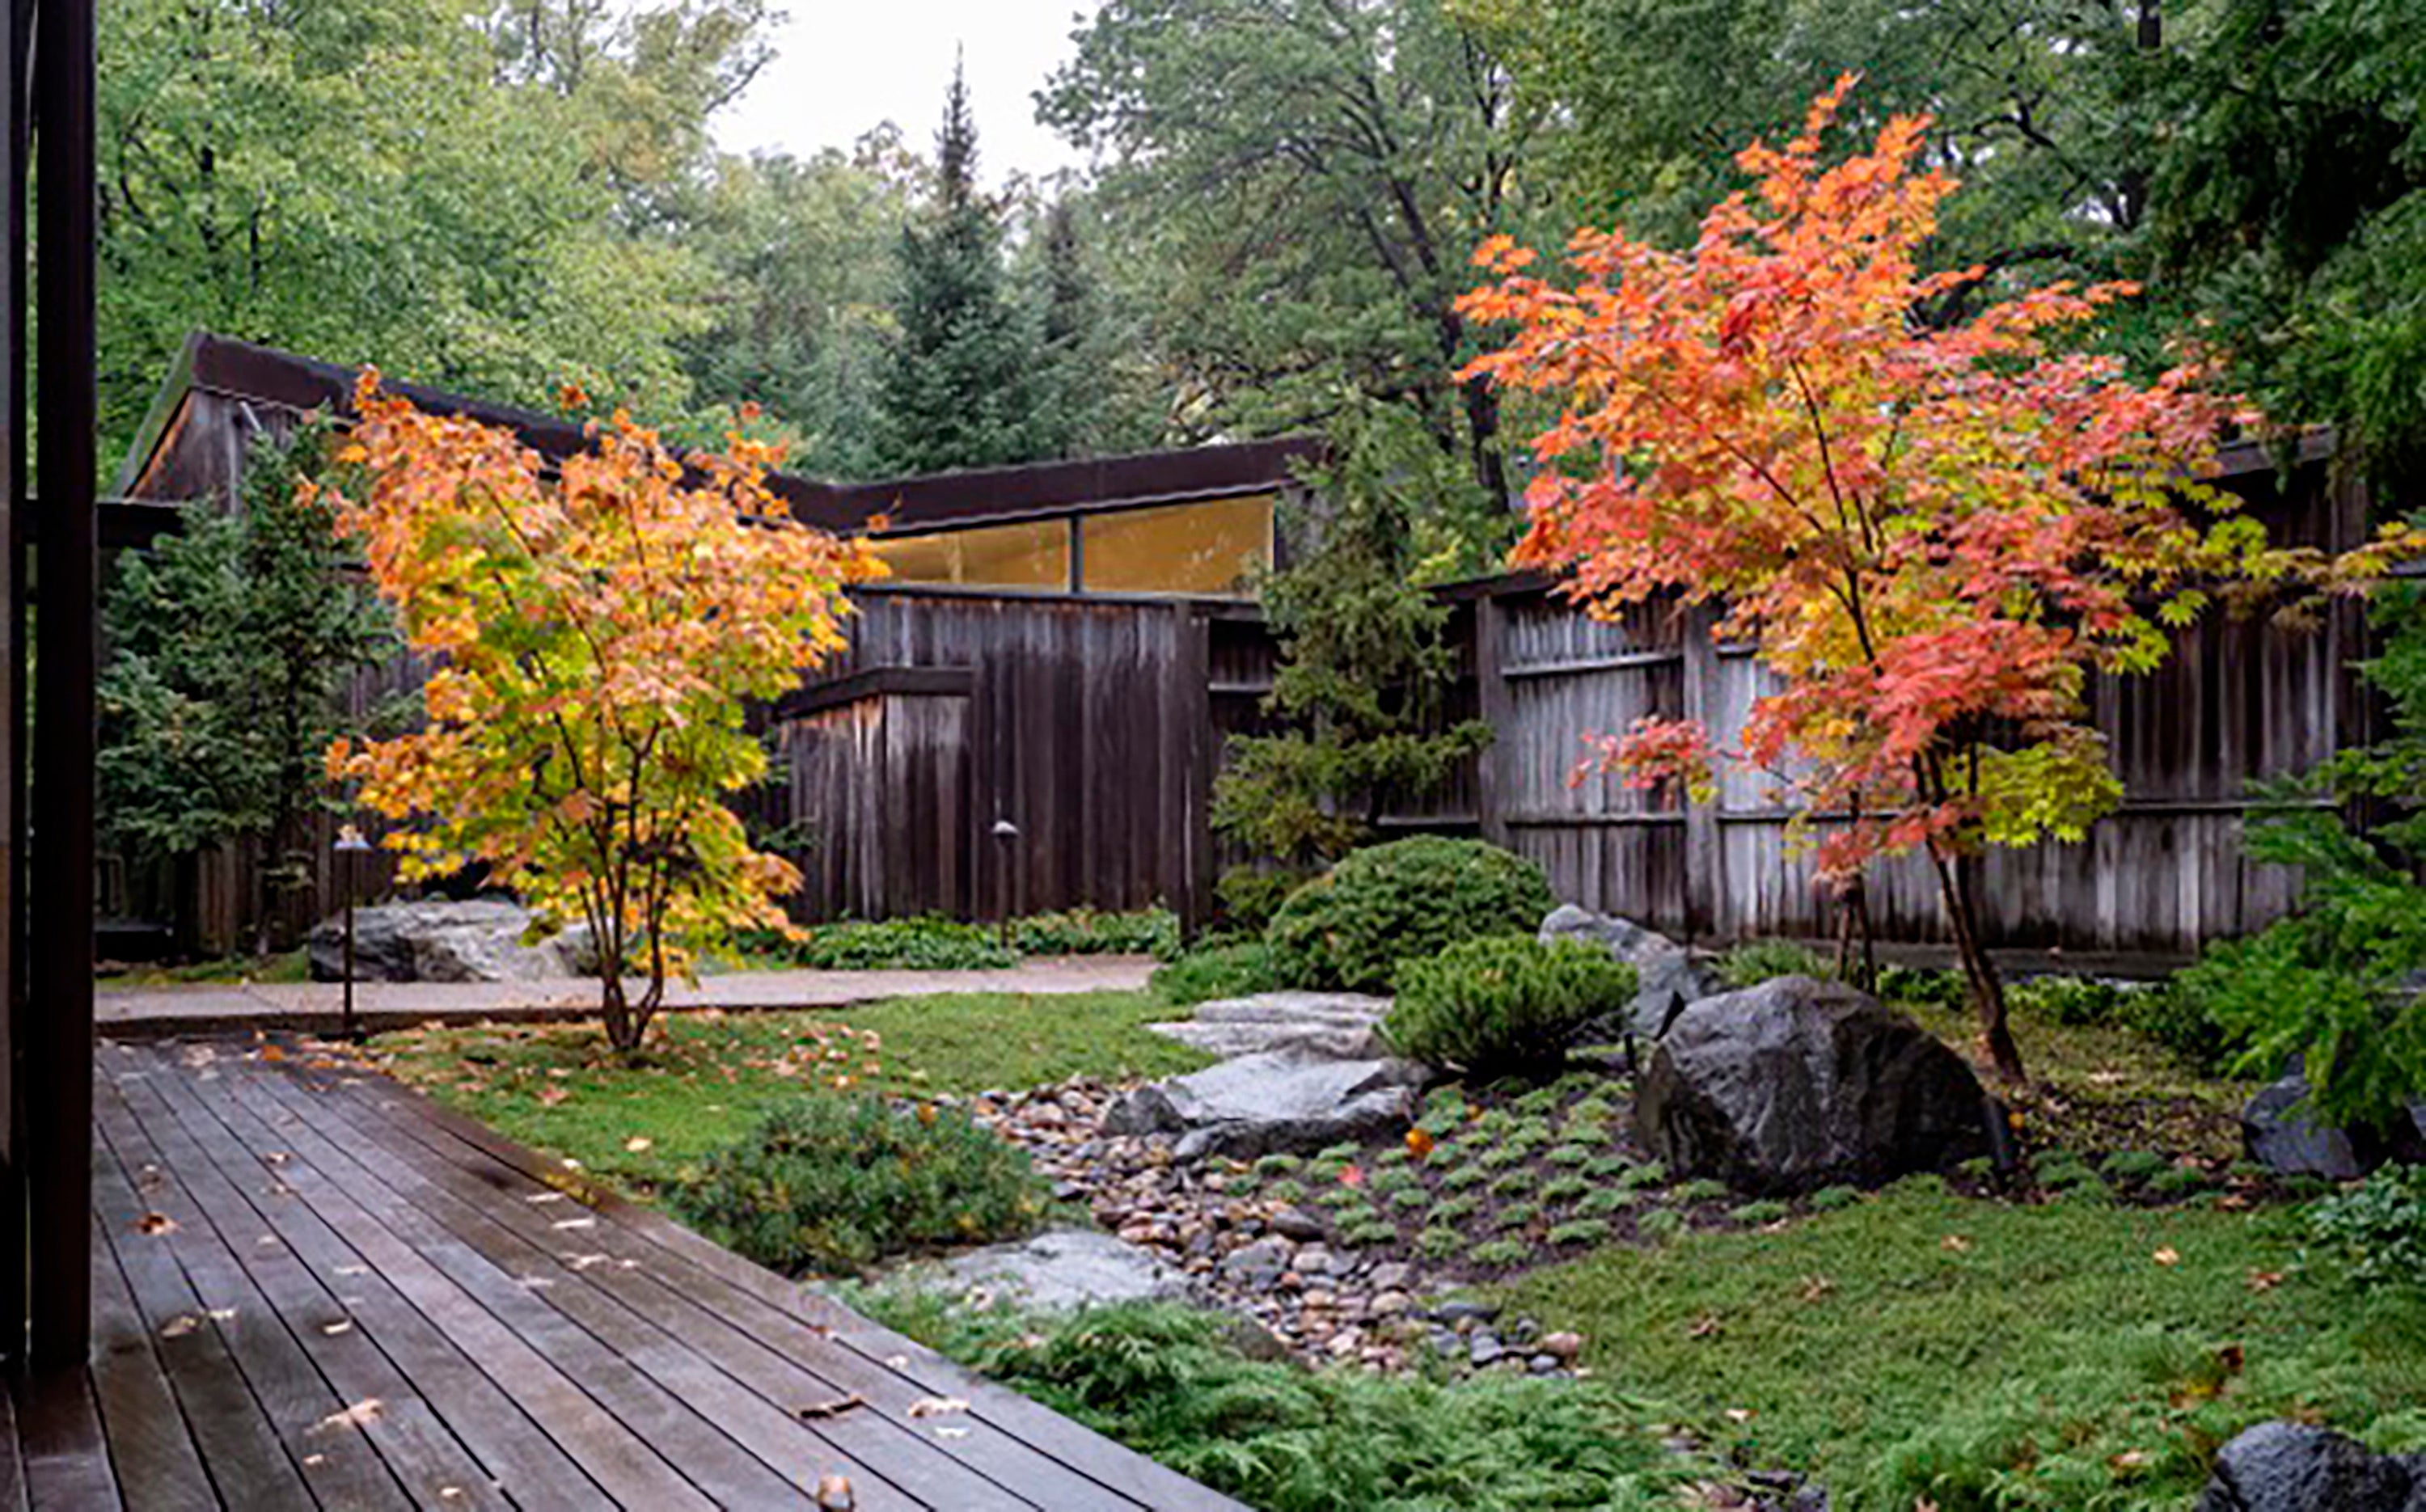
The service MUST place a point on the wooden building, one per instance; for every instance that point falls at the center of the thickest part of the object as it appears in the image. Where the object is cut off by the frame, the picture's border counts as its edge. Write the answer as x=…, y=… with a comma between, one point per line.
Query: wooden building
x=1033, y=711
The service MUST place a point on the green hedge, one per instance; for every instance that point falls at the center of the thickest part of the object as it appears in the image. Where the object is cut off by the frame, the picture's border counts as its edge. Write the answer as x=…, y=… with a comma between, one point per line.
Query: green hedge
x=1348, y=928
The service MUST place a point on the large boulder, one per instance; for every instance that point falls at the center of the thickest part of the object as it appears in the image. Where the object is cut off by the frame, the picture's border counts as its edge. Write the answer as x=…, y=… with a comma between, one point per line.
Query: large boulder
x=1798, y=1084
x=2295, y=1467
x=1057, y=1271
x=1270, y=1104
x=2280, y=1134
x=444, y=940
x=1336, y=1025
x=1668, y=976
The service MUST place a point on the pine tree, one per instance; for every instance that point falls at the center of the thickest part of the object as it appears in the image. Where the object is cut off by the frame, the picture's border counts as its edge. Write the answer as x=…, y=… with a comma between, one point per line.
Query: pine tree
x=960, y=390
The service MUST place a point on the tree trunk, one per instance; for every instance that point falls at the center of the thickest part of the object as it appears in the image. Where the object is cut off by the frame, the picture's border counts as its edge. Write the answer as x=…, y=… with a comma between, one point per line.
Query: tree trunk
x=1956, y=885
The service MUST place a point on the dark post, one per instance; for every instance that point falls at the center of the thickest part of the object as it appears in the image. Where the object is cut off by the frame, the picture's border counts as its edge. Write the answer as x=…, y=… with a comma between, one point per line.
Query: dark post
x=350, y=844
x=1006, y=835
x=58, y=1055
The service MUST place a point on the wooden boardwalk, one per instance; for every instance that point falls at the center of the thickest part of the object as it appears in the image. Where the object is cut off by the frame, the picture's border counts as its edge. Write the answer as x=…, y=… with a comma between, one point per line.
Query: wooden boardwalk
x=314, y=1289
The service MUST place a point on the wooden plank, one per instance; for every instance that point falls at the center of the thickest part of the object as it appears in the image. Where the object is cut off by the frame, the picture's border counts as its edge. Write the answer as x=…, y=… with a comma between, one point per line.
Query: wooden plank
x=789, y=1365
x=422, y=1455
x=1122, y=1470
x=655, y=1386
x=711, y=1309
x=423, y=1270
x=632, y=1314
x=340, y=1466
x=59, y=1443
x=247, y=1458
x=510, y=1446
x=152, y=1454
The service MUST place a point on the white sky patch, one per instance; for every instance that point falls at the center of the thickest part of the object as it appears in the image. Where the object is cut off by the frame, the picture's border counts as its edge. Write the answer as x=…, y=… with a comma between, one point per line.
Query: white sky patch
x=842, y=70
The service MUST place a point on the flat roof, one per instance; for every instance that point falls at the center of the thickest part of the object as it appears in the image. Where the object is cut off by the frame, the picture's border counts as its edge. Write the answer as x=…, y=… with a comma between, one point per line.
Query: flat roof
x=225, y=366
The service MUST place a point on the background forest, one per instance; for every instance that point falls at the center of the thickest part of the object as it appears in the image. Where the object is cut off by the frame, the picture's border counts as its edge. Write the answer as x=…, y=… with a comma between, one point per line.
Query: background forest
x=500, y=196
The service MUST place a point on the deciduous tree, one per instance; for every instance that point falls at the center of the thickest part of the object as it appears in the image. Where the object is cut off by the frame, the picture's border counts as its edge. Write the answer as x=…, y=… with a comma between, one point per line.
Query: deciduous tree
x=595, y=638
x=1933, y=536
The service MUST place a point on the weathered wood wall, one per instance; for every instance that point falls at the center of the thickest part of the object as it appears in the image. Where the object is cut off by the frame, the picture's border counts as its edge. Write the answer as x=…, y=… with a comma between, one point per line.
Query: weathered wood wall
x=1082, y=723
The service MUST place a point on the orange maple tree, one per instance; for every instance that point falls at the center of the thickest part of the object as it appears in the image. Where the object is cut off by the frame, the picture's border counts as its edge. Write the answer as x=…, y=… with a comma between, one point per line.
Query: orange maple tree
x=594, y=638
x=1933, y=536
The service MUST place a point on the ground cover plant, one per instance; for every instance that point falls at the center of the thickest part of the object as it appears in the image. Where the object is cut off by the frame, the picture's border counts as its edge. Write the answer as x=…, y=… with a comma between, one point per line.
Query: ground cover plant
x=706, y=1078
x=1172, y=1384
x=1237, y=968
x=1919, y=1347
x=1503, y=1003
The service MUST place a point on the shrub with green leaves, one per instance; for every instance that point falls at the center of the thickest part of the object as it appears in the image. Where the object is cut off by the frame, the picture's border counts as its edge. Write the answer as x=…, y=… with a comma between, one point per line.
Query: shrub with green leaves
x=1247, y=896
x=2072, y=1000
x=1835, y=1199
x=1606, y=1201
x=1503, y=1003
x=1093, y=932
x=1702, y=1190
x=1580, y=1231
x=1238, y=969
x=1348, y=928
x=1564, y=1188
x=928, y=943
x=2379, y=1227
x=1756, y=1214
x=1920, y=985
x=2132, y=1164
x=832, y=1184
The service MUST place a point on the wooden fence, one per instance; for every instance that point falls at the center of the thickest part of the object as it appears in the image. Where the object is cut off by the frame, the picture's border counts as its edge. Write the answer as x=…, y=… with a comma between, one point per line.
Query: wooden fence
x=1094, y=727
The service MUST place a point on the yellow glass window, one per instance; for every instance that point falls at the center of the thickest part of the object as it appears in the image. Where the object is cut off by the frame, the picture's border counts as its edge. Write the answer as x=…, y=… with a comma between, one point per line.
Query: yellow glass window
x=1207, y=548
x=1035, y=554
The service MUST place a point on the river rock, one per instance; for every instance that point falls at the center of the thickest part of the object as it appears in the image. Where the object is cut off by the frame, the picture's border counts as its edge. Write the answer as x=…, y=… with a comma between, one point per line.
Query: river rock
x=1338, y=1025
x=1278, y=1102
x=2295, y=1467
x=2280, y=1134
x=1667, y=975
x=1060, y=1270
x=445, y=940
x=1798, y=1084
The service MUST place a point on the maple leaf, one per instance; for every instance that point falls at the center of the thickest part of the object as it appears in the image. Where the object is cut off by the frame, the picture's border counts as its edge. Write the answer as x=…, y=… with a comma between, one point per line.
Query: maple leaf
x=155, y=1223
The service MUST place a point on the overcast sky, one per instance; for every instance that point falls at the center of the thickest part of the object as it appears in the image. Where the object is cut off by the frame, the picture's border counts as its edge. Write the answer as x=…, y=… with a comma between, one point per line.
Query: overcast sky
x=841, y=68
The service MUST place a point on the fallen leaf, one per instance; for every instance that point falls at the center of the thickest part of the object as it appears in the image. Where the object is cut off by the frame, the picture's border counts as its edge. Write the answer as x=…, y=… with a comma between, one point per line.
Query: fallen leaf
x=155, y=1223
x=1705, y=1326
x=333, y=1330
x=1419, y=1143
x=835, y=1494
x=1956, y=1243
x=272, y=1053
x=935, y=1407
x=817, y=1411
x=637, y=1145
x=2264, y=1281
x=1815, y=1287
x=2167, y=1256
x=550, y=1095
x=1739, y=1414
x=360, y=1415
x=180, y=1325
x=951, y=1433
x=576, y=1223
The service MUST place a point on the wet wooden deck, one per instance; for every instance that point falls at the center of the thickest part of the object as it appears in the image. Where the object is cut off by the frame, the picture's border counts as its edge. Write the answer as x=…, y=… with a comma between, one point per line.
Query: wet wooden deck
x=314, y=1289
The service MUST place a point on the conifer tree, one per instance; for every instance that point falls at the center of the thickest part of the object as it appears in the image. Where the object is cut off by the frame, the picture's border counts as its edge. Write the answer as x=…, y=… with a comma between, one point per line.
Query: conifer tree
x=960, y=392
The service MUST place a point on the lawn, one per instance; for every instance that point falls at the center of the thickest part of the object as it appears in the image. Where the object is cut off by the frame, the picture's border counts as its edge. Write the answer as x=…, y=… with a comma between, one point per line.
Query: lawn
x=2076, y=1355
x=707, y=1077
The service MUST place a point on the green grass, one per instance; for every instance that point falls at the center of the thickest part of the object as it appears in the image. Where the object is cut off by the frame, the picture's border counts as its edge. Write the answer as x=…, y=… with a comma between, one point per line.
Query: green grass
x=1986, y=1355
x=706, y=1078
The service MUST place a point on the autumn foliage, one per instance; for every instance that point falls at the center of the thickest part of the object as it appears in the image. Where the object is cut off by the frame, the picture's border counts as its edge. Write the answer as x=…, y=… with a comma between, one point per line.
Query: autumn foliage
x=1934, y=533
x=594, y=638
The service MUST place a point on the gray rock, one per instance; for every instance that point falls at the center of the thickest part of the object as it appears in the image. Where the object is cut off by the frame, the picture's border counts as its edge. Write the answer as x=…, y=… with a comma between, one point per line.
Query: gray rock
x=443, y=940
x=2293, y=1466
x=1797, y=1083
x=1668, y=976
x=1057, y=1271
x=1297, y=1224
x=1337, y=1025
x=1257, y=1264
x=2281, y=1135
x=1485, y=1349
x=1262, y=1104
